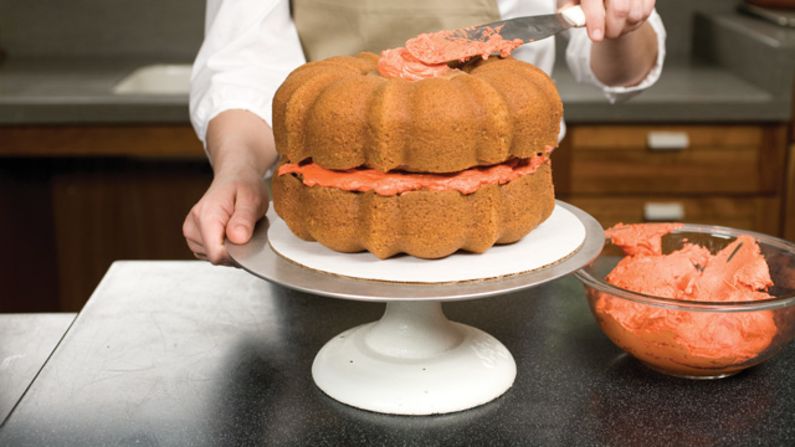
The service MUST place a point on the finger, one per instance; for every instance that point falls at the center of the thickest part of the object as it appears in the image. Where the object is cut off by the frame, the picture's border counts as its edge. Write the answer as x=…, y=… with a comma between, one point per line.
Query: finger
x=616, y=17
x=637, y=13
x=594, y=18
x=190, y=230
x=648, y=7
x=249, y=208
x=196, y=247
x=196, y=242
x=212, y=226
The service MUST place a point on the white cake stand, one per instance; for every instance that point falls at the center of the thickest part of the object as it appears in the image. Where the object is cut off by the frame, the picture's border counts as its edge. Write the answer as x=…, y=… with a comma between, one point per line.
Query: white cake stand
x=413, y=361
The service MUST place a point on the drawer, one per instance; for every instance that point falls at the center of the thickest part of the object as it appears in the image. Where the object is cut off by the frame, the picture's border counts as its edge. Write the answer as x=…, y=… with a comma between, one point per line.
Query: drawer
x=752, y=213
x=616, y=138
x=676, y=159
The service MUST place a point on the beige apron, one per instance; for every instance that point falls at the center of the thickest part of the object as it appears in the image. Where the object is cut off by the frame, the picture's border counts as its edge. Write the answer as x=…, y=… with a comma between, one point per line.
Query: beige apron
x=346, y=27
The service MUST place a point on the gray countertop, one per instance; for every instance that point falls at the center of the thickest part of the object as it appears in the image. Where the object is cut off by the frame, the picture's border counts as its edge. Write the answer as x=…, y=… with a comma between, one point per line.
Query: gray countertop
x=184, y=353
x=26, y=341
x=33, y=92
x=683, y=94
x=746, y=75
x=55, y=91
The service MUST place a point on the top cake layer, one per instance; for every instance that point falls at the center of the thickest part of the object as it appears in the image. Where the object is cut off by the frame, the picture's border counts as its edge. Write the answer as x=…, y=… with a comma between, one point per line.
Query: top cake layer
x=342, y=114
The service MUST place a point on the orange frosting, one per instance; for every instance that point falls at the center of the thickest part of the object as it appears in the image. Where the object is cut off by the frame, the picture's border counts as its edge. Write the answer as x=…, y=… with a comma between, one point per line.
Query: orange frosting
x=399, y=63
x=427, y=55
x=445, y=46
x=392, y=183
x=687, y=341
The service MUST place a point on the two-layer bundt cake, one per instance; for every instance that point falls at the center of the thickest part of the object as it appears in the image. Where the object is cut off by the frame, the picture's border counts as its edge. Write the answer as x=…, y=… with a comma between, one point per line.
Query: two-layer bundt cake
x=425, y=167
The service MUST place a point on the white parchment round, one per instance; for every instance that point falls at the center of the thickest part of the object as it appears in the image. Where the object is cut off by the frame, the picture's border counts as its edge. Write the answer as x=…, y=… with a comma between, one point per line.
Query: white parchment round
x=556, y=238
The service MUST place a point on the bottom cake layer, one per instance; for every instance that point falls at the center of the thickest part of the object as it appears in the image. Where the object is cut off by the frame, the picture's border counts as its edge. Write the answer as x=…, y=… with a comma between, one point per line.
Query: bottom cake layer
x=425, y=224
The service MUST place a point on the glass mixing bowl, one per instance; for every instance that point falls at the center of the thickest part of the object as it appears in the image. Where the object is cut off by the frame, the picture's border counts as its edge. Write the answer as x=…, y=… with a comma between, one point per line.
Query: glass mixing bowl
x=697, y=339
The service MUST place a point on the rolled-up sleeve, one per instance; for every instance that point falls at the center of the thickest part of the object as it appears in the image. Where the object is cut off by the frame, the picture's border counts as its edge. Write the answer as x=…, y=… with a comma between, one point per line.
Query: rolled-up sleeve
x=250, y=47
x=578, y=58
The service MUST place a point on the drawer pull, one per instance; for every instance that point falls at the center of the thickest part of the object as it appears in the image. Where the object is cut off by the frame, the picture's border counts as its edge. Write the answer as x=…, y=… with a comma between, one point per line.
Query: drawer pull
x=663, y=211
x=667, y=141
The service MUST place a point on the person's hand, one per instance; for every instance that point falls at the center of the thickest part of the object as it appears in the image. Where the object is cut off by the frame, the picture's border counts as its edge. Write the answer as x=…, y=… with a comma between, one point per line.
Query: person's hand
x=241, y=147
x=611, y=19
x=230, y=208
x=625, y=45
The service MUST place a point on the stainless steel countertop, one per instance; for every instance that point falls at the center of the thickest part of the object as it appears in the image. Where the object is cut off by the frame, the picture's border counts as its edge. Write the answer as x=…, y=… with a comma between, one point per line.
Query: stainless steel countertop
x=26, y=341
x=184, y=353
x=33, y=92
x=55, y=91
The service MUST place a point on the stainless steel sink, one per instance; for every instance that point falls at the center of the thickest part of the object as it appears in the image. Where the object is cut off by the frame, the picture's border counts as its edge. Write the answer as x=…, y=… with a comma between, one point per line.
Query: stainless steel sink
x=158, y=79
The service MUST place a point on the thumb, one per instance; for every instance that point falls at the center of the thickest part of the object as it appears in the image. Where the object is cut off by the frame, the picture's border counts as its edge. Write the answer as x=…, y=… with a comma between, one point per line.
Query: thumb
x=248, y=210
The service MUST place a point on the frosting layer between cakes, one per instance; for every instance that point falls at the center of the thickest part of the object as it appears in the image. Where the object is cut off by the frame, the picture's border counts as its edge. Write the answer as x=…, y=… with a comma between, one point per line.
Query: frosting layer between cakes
x=426, y=224
x=391, y=183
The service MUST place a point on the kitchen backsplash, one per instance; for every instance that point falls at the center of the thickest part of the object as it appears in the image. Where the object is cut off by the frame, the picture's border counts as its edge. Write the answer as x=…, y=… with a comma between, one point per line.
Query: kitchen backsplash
x=169, y=29
x=172, y=29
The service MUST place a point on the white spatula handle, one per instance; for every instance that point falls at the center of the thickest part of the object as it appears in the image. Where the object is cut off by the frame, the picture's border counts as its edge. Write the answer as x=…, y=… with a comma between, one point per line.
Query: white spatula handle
x=574, y=15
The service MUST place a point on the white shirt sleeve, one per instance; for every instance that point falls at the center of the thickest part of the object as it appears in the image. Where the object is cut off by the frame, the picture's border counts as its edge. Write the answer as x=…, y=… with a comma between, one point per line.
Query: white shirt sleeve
x=578, y=57
x=250, y=46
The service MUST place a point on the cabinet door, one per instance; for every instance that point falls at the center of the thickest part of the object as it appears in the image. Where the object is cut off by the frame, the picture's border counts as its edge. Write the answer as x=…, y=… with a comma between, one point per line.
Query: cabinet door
x=28, y=270
x=106, y=210
x=789, y=197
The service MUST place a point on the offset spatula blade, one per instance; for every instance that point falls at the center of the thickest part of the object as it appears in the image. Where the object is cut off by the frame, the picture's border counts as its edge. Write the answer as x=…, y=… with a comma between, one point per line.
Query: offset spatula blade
x=532, y=28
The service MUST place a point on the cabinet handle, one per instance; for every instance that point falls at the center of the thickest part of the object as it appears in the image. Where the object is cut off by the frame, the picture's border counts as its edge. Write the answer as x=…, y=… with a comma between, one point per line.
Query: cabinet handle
x=663, y=211
x=664, y=140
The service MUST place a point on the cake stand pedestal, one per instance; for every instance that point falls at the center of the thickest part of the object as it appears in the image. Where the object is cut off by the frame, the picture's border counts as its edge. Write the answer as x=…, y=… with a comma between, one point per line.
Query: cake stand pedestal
x=413, y=361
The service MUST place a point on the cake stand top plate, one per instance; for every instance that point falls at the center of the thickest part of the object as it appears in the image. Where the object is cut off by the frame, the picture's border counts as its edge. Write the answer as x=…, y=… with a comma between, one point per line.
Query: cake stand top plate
x=258, y=257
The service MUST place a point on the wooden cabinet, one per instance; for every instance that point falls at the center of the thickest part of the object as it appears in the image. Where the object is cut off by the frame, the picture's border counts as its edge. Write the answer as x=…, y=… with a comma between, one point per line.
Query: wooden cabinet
x=75, y=199
x=106, y=210
x=789, y=196
x=682, y=159
x=728, y=175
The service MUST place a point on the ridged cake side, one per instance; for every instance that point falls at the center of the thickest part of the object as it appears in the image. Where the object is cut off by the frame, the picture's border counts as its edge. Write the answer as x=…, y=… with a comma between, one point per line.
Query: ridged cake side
x=343, y=115
x=425, y=224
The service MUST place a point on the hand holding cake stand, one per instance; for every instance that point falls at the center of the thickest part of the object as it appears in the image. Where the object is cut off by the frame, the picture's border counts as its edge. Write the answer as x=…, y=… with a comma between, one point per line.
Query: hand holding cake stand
x=414, y=361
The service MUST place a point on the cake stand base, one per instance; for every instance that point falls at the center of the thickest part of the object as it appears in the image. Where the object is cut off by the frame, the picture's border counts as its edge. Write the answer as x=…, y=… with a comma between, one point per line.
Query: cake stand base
x=414, y=361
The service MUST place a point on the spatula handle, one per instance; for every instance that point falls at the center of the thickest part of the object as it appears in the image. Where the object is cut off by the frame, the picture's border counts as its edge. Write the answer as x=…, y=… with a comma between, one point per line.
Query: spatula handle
x=574, y=15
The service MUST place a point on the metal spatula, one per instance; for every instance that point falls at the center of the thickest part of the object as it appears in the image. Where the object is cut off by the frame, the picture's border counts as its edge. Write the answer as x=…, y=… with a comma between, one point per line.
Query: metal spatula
x=527, y=29
x=531, y=28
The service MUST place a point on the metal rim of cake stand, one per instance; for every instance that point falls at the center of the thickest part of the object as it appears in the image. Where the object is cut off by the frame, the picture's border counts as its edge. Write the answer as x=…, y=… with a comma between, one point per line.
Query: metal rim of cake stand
x=258, y=258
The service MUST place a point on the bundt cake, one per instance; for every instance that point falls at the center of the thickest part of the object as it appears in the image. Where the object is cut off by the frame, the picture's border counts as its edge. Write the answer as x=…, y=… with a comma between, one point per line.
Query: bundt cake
x=342, y=114
x=459, y=161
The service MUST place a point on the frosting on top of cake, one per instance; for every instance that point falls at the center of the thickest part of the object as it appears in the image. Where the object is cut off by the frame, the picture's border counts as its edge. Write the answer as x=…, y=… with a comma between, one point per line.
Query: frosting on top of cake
x=445, y=46
x=427, y=55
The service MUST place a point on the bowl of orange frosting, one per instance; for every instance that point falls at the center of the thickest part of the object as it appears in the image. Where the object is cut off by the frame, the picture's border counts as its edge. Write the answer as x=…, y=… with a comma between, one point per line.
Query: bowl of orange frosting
x=694, y=301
